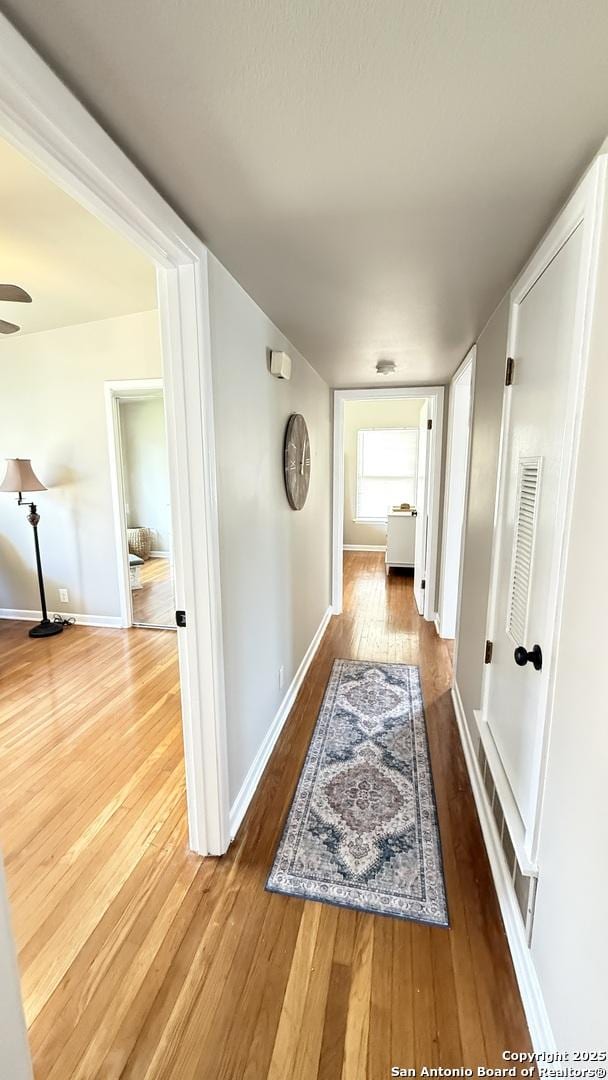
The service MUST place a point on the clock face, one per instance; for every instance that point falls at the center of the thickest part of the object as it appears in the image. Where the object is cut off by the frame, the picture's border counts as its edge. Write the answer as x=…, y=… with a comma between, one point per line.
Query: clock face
x=297, y=461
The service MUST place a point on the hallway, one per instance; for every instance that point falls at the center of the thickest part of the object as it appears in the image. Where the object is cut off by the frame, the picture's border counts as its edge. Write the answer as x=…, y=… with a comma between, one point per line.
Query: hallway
x=219, y=978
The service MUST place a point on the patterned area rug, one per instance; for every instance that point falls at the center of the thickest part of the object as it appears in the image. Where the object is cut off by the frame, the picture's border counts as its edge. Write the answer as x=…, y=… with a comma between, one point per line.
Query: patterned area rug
x=362, y=831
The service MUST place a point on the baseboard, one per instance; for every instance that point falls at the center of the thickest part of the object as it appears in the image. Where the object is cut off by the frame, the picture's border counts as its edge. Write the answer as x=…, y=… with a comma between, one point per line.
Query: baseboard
x=159, y=554
x=364, y=547
x=251, y=781
x=82, y=620
x=525, y=972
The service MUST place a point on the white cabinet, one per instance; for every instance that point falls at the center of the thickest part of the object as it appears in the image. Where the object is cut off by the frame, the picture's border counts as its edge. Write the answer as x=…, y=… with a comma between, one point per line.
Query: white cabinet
x=400, y=538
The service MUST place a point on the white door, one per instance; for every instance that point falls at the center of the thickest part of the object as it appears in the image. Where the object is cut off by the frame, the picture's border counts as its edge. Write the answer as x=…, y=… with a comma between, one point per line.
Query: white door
x=528, y=539
x=461, y=396
x=422, y=523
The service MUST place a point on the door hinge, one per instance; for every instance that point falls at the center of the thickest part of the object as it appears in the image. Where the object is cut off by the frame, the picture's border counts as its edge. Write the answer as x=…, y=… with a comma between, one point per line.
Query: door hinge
x=180, y=618
x=423, y=583
x=510, y=371
x=429, y=425
x=487, y=659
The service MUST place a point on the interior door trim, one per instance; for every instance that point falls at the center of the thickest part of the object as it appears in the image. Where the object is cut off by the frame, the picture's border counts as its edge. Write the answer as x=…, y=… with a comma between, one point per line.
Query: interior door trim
x=584, y=208
x=435, y=396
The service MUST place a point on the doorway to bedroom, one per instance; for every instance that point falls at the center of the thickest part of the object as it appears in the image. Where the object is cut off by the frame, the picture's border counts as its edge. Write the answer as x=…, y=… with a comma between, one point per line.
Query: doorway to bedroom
x=142, y=502
x=386, y=484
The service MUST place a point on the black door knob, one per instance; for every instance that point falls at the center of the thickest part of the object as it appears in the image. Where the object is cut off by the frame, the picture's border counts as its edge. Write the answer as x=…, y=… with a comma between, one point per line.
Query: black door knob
x=535, y=657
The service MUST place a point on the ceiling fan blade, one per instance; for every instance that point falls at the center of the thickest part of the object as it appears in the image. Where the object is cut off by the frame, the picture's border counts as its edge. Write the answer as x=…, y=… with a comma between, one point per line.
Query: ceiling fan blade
x=8, y=327
x=15, y=294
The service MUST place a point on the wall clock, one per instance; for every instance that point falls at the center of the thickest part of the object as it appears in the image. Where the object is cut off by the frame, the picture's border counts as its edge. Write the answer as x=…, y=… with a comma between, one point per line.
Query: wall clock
x=297, y=461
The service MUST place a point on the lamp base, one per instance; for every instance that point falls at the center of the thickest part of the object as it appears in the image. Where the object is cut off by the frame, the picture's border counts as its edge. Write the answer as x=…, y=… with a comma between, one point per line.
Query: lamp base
x=46, y=628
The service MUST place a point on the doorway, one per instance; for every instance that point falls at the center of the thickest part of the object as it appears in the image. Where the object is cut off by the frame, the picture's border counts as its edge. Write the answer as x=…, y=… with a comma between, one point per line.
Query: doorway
x=41, y=118
x=547, y=347
x=421, y=547
x=528, y=537
x=456, y=488
x=137, y=444
x=366, y=494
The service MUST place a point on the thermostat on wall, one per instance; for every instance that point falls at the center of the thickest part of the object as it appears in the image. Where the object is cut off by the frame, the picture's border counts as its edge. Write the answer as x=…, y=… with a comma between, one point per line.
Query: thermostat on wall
x=280, y=364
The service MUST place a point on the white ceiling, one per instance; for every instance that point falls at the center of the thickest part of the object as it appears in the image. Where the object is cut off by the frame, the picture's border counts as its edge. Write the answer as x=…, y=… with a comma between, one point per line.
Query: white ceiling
x=374, y=172
x=75, y=269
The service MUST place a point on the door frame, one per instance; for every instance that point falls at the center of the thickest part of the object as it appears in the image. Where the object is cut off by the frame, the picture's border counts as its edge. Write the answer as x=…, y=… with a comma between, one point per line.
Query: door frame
x=420, y=547
x=46, y=123
x=435, y=396
x=116, y=391
x=467, y=365
x=583, y=209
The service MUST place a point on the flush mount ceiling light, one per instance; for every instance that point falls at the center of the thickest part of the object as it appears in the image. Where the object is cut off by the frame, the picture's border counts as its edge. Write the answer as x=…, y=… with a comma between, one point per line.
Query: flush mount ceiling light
x=385, y=367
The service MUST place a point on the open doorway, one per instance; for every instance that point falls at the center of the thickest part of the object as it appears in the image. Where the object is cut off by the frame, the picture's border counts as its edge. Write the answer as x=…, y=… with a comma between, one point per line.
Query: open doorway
x=141, y=502
x=109, y=740
x=41, y=120
x=387, y=461
x=456, y=487
x=91, y=747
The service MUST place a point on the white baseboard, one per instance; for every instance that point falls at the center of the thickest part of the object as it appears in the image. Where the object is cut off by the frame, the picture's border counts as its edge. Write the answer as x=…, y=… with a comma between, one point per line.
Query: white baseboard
x=251, y=781
x=82, y=620
x=527, y=978
x=159, y=554
x=364, y=547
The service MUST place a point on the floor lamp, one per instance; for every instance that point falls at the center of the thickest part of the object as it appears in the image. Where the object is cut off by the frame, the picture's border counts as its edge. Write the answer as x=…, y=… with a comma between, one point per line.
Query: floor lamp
x=20, y=477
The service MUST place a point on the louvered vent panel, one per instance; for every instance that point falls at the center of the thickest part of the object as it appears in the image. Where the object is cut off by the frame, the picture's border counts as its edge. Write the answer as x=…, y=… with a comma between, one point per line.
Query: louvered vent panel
x=523, y=548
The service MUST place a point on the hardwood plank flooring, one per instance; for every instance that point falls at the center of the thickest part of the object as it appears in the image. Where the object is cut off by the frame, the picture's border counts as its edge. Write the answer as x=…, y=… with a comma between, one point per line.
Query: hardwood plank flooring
x=140, y=960
x=153, y=604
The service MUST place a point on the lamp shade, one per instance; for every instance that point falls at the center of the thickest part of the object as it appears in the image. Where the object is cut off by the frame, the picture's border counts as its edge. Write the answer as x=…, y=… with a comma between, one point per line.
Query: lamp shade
x=20, y=476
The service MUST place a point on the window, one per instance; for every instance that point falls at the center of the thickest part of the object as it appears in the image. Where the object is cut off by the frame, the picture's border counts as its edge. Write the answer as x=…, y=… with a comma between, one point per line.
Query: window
x=387, y=464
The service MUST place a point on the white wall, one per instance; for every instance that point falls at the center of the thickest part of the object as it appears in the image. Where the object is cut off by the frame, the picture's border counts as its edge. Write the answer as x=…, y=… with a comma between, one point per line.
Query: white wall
x=146, y=467
x=369, y=414
x=52, y=410
x=14, y=1052
x=275, y=562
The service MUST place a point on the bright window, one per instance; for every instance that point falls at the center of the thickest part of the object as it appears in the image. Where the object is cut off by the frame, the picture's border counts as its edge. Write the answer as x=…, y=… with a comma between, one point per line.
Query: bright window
x=387, y=463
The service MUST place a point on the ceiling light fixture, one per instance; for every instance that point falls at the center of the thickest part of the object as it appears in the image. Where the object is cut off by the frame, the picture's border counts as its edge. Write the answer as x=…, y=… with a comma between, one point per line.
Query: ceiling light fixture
x=385, y=367
x=15, y=295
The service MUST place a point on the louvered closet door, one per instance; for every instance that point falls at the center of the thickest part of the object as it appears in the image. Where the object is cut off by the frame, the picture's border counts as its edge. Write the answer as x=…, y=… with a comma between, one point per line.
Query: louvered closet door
x=543, y=343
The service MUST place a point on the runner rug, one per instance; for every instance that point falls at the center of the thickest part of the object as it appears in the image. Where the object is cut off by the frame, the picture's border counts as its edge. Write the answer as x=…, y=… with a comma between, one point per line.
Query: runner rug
x=362, y=830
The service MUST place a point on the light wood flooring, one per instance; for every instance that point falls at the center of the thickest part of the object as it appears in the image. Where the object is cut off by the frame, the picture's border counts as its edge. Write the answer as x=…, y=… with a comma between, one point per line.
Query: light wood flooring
x=153, y=604
x=140, y=960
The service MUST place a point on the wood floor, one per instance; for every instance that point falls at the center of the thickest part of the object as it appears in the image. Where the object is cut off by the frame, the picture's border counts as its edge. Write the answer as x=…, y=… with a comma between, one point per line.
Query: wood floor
x=153, y=604
x=140, y=960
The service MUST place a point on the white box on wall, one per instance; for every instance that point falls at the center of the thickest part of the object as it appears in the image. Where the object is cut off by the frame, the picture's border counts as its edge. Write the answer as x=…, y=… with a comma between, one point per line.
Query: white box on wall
x=280, y=364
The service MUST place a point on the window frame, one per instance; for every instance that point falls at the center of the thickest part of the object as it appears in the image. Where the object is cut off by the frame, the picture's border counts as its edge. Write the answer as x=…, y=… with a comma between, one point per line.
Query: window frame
x=361, y=432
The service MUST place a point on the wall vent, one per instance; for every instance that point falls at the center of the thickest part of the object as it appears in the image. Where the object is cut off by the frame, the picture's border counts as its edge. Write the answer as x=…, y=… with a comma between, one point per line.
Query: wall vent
x=524, y=885
x=524, y=536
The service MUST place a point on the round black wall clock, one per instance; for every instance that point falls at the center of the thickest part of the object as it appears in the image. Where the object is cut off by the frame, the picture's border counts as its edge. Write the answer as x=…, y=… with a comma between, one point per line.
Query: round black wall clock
x=297, y=461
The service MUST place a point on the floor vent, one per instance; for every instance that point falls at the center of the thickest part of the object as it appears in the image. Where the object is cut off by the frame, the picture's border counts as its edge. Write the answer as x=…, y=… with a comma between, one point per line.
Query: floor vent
x=524, y=885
